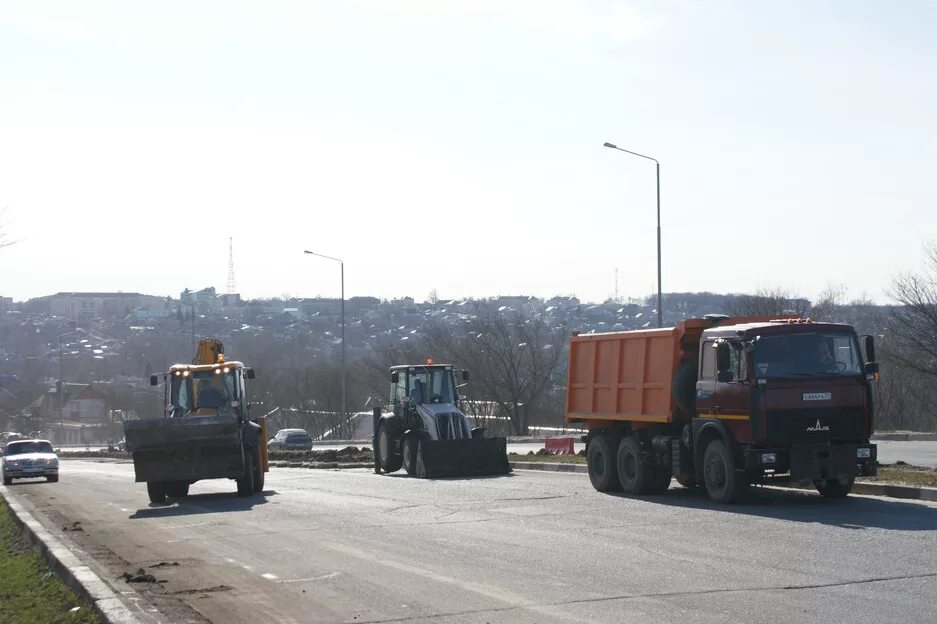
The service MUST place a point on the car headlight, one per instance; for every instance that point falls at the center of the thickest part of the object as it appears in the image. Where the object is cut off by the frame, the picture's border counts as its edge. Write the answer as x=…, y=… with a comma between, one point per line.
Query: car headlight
x=51, y=462
x=12, y=464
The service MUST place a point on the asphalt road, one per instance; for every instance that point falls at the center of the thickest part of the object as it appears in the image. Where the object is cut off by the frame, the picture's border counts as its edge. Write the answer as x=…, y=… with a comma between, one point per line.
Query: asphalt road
x=352, y=546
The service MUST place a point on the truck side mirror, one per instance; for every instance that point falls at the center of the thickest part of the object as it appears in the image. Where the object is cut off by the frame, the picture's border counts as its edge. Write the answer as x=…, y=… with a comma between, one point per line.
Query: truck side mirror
x=394, y=377
x=870, y=349
x=465, y=375
x=249, y=373
x=154, y=380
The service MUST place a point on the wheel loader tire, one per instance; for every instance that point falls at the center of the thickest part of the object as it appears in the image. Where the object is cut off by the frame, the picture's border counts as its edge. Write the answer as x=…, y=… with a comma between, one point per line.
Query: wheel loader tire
x=246, y=482
x=52, y=479
x=156, y=491
x=7, y=481
x=177, y=489
x=600, y=459
x=258, y=472
x=684, y=386
x=410, y=453
x=636, y=477
x=388, y=460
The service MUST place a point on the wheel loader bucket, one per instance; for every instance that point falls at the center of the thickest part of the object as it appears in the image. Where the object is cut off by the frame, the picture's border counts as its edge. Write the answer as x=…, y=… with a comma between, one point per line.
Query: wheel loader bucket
x=462, y=458
x=185, y=449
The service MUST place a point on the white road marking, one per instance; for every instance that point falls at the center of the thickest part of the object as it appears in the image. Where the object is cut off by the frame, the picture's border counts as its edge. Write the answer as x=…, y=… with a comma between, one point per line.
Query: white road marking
x=270, y=577
x=311, y=578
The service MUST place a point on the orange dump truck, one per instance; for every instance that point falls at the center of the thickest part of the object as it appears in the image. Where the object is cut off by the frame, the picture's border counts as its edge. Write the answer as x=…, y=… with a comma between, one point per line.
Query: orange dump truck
x=725, y=402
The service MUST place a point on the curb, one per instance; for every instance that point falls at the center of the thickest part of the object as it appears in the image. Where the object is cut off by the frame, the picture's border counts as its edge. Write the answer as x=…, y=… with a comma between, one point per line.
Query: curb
x=905, y=436
x=73, y=572
x=874, y=489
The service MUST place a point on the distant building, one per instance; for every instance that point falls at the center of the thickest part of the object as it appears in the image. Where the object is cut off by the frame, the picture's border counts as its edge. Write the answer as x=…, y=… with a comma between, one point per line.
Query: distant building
x=91, y=305
x=76, y=416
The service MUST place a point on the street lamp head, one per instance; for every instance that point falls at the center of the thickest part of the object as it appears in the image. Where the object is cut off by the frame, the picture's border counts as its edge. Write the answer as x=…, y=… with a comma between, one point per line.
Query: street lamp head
x=611, y=145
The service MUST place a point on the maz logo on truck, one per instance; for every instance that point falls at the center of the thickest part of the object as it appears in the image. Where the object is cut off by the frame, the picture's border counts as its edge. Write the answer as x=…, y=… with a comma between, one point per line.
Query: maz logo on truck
x=817, y=396
x=818, y=427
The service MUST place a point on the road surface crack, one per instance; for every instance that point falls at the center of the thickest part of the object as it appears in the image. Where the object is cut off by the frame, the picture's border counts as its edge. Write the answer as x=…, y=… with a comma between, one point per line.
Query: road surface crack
x=702, y=592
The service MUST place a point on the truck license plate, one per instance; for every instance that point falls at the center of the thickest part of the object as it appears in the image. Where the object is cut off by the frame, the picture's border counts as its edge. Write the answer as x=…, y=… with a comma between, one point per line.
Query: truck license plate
x=817, y=396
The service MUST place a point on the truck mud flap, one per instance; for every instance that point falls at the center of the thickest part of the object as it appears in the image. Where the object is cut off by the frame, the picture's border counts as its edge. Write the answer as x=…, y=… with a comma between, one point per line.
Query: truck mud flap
x=463, y=458
x=823, y=462
x=185, y=449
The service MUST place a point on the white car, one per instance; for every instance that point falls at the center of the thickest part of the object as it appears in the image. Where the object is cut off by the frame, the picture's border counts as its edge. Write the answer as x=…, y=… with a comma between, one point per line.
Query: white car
x=28, y=459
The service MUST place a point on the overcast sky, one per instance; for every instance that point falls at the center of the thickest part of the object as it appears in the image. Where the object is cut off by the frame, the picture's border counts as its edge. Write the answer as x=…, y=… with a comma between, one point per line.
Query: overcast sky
x=457, y=145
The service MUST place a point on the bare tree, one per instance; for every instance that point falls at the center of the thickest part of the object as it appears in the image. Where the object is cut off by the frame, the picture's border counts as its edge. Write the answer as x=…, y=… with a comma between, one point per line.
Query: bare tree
x=767, y=302
x=513, y=358
x=828, y=304
x=913, y=323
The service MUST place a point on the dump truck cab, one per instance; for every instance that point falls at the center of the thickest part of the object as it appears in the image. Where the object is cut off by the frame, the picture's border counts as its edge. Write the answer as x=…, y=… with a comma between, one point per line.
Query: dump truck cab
x=206, y=432
x=425, y=430
x=790, y=396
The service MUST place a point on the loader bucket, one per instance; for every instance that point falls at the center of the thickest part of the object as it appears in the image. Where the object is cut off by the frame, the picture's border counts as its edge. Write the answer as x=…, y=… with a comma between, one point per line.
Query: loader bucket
x=185, y=449
x=462, y=458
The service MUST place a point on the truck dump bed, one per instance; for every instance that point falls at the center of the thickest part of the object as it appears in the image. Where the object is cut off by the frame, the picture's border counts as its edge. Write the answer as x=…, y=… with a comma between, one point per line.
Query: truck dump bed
x=623, y=375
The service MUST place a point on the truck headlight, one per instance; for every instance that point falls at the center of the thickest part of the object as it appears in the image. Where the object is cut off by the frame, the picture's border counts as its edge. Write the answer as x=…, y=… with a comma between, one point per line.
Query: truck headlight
x=863, y=452
x=769, y=458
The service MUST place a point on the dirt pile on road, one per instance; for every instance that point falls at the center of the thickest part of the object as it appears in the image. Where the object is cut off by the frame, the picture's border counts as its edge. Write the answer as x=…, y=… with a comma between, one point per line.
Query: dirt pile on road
x=349, y=454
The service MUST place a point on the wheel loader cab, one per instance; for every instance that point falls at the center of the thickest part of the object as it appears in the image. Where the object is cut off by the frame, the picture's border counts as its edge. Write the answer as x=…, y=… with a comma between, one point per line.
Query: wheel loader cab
x=202, y=391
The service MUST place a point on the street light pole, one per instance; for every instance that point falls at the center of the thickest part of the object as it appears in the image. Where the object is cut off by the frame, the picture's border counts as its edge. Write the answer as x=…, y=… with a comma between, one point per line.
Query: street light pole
x=344, y=380
x=660, y=305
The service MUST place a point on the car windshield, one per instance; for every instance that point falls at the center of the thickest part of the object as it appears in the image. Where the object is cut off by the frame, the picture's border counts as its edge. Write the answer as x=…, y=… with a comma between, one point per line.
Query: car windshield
x=202, y=390
x=812, y=354
x=23, y=448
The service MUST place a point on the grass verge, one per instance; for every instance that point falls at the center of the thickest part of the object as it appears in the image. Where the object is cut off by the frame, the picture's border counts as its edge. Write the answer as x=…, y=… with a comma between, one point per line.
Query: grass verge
x=30, y=593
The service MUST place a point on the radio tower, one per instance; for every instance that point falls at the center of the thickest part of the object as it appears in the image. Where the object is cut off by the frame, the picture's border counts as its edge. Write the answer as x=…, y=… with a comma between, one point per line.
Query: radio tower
x=232, y=289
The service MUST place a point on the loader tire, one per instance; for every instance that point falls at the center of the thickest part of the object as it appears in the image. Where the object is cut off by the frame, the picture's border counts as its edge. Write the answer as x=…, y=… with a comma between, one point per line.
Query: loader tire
x=388, y=460
x=7, y=481
x=258, y=472
x=156, y=491
x=177, y=489
x=635, y=476
x=600, y=459
x=52, y=479
x=410, y=453
x=246, y=482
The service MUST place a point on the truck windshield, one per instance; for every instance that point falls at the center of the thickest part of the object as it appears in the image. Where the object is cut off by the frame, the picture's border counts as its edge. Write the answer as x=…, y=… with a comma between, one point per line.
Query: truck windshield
x=202, y=390
x=811, y=354
x=432, y=385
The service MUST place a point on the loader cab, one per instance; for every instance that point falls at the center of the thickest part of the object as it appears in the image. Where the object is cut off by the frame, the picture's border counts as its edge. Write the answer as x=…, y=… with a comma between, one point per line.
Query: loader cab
x=204, y=390
x=420, y=385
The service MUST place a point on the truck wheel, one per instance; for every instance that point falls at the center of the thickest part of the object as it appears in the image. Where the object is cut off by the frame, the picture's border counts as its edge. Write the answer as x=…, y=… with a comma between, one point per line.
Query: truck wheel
x=723, y=483
x=258, y=473
x=600, y=458
x=411, y=448
x=834, y=488
x=156, y=491
x=177, y=489
x=246, y=482
x=388, y=460
x=635, y=476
